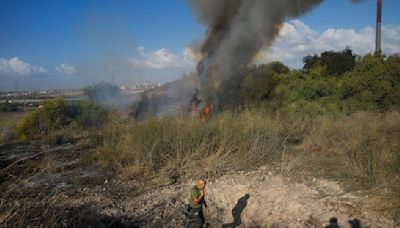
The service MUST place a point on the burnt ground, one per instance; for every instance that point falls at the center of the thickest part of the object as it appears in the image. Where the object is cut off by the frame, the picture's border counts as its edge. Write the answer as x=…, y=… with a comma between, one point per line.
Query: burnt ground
x=48, y=186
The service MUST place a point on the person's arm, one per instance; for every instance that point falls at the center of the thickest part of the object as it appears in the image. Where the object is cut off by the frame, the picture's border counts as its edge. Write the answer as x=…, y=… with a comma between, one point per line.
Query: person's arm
x=198, y=199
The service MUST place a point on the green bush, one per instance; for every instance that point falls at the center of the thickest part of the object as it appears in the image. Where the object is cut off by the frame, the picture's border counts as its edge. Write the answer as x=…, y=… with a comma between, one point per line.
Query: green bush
x=334, y=63
x=57, y=114
x=86, y=114
x=258, y=85
x=373, y=84
x=49, y=117
x=261, y=81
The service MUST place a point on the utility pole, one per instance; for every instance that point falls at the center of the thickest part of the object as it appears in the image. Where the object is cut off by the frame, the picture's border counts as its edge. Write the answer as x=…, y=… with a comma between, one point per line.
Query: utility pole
x=378, y=48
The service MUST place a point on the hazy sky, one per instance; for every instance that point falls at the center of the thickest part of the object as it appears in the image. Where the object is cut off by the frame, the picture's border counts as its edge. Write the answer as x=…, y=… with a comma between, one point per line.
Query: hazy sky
x=71, y=43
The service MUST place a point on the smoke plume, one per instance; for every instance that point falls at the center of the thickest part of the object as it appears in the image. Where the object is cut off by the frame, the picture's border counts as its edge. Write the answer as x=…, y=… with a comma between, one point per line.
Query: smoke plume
x=237, y=31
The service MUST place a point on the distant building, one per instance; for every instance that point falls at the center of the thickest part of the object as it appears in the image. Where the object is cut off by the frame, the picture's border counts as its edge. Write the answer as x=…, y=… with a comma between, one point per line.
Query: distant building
x=147, y=84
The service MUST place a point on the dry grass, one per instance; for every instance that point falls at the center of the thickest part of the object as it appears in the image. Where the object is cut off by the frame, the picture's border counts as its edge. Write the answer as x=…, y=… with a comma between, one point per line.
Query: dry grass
x=8, y=120
x=362, y=151
x=366, y=142
x=188, y=147
x=369, y=142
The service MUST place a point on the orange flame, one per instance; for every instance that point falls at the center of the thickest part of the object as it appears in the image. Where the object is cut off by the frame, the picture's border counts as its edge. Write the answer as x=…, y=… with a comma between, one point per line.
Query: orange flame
x=205, y=112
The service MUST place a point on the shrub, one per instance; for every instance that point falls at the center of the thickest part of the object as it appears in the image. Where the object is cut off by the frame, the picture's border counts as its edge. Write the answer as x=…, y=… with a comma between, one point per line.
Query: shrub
x=56, y=114
x=375, y=82
x=260, y=83
x=51, y=116
x=335, y=63
x=86, y=114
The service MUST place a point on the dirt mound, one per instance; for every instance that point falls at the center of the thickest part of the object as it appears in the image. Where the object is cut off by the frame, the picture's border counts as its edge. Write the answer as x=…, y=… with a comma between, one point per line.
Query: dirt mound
x=266, y=200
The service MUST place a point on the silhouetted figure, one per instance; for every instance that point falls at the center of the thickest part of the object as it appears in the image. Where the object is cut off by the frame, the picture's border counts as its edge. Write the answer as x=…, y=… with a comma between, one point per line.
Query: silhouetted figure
x=355, y=223
x=237, y=212
x=333, y=223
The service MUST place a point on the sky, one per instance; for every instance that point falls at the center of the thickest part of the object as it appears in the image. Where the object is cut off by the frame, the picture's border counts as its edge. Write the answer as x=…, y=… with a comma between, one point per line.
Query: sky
x=53, y=44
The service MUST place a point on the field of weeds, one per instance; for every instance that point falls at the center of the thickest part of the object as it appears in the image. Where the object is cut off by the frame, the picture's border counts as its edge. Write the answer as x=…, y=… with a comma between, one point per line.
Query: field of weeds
x=187, y=147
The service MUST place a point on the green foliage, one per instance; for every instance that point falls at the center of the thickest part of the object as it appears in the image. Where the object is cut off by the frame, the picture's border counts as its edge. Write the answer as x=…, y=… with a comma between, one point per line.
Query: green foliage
x=335, y=63
x=261, y=81
x=278, y=67
x=86, y=114
x=373, y=84
x=51, y=116
x=56, y=114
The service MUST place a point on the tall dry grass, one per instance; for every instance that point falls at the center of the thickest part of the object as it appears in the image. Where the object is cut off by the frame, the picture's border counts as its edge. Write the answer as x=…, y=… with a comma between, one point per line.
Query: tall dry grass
x=363, y=152
x=365, y=145
x=370, y=142
x=184, y=146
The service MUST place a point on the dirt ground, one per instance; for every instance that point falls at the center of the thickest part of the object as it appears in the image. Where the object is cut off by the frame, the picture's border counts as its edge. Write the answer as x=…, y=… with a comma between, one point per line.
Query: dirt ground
x=46, y=186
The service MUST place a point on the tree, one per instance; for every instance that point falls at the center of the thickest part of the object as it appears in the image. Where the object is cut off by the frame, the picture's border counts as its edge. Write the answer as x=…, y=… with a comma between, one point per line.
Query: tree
x=335, y=63
x=261, y=82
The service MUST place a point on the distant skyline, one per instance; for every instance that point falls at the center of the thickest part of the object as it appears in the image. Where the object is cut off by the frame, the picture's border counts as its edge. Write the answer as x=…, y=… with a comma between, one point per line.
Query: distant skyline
x=48, y=44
